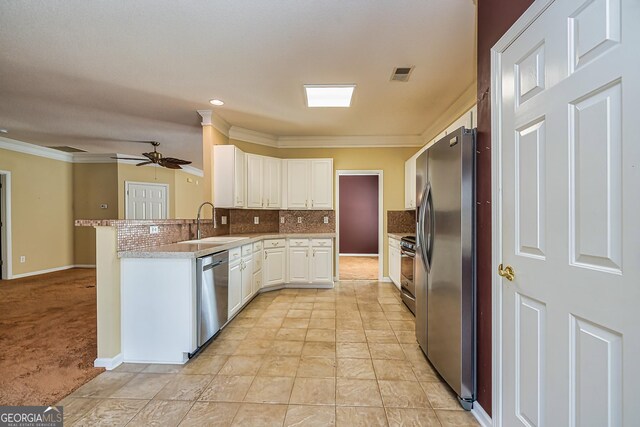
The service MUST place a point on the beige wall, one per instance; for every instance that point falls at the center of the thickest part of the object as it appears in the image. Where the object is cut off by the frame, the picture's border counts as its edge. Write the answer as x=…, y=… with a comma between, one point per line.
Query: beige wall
x=94, y=184
x=389, y=160
x=41, y=211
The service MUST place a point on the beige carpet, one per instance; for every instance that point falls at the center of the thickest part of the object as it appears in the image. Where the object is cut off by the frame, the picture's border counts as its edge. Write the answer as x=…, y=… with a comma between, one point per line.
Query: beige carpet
x=358, y=267
x=47, y=336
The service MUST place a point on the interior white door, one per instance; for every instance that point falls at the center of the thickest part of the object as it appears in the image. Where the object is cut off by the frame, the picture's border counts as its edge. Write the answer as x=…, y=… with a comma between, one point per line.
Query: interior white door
x=570, y=173
x=146, y=200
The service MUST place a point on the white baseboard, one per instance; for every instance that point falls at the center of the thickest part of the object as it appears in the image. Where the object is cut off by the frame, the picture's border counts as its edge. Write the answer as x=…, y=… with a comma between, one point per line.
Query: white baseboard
x=375, y=255
x=108, y=363
x=50, y=270
x=483, y=418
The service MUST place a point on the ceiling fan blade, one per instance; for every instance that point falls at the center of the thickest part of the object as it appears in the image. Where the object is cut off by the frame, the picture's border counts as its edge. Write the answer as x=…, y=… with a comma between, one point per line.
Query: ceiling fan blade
x=144, y=163
x=176, y=161
x=126, y=158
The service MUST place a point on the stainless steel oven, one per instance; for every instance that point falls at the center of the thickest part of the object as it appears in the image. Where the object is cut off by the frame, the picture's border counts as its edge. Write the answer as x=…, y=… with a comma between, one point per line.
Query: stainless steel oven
x=407, y=258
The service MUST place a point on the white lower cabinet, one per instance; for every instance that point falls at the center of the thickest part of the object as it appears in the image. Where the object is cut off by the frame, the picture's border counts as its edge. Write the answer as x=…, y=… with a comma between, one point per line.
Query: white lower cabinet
x=321, y=264
x=273, y=267
x=394, y=261
x=235, y=287
x=310, y=261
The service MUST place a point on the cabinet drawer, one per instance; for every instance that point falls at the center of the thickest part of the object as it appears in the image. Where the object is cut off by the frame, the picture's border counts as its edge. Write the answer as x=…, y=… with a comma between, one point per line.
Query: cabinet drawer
x=274, y=243
x=298, y=243
x=257, y=246
x=321, y=242
x=247, y=250
x=235, y=254
x=394, y=243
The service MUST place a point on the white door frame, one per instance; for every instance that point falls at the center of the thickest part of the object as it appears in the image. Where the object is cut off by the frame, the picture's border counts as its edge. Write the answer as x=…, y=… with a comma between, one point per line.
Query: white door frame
x=5, y=194
x=126, y=196
x=527, y=18
x=380, y=175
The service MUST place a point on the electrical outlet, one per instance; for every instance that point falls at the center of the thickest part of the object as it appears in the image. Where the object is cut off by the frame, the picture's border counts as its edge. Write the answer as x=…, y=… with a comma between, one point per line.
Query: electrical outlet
x=23, y=259
x=104, y=206
x=154, y=229
x=256, y=220
x=223, y=219
x=299, y=220
x=326, y=220
x=281, y=220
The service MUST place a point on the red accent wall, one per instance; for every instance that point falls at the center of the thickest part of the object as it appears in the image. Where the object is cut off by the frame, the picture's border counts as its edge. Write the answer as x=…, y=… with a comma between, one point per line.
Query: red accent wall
x=358, y=214
x=495, y=17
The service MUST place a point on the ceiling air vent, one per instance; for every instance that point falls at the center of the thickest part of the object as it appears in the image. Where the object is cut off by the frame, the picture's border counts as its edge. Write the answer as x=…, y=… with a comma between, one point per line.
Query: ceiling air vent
x=67, y=149
x=401, y=74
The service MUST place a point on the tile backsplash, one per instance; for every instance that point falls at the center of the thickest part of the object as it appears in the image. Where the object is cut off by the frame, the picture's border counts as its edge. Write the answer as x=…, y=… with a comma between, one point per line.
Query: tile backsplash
x=401, y=221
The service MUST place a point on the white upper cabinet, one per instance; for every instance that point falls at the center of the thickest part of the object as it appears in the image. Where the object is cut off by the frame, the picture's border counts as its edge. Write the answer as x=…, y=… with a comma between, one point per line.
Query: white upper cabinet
x=255, y=165
x=410, y=183
x=321, y=184
x=264, y=182
x=298, y=181
x=272, y=183
x=309, y=184
x=228, y=177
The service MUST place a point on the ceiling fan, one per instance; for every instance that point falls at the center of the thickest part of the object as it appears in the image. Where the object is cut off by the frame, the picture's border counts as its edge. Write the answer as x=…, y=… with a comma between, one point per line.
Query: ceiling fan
x=156, y=158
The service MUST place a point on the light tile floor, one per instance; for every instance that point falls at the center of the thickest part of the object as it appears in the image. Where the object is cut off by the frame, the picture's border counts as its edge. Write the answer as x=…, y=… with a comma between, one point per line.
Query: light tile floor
x=297, y=357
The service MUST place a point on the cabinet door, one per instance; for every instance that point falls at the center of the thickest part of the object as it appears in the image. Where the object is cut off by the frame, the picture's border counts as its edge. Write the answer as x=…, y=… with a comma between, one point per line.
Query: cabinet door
x=235, y=288
x=410, y=183
x=239, y=187
x=272, y=182
x=298, y=181
x=299, y=264
x=257, y=281
x=321, y=265
x=247, y=279
x=255, y=166
x=321, y=184
x=274, y=266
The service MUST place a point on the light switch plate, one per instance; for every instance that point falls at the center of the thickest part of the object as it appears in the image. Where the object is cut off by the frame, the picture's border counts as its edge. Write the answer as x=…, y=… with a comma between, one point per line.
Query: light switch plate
x=154, y=229
x=223, y=219
x=256, y=220
x=299, y=220
x=326, y=220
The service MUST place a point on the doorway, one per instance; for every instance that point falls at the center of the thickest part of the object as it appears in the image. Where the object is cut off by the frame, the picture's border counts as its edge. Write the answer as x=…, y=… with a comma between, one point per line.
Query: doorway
x=5, y=225
x=145, y=200
x=359, y=225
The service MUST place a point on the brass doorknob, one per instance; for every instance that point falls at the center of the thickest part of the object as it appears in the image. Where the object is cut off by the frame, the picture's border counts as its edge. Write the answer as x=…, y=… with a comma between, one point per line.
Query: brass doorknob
x=506, y=272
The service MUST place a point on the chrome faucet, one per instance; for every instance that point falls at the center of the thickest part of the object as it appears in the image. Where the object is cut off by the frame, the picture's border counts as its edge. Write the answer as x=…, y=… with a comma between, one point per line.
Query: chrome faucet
x=198, y=234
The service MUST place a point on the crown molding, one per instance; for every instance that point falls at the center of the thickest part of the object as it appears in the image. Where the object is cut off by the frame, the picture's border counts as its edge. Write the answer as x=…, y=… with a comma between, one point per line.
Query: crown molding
x=209, y=118
x=34, y=150
x=350, y=141
x=253, y=136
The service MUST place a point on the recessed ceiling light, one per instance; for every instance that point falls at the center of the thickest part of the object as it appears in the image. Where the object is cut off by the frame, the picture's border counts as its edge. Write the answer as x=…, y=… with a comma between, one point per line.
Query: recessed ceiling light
x=3, y=131
x=329, y=95
x=216, y=102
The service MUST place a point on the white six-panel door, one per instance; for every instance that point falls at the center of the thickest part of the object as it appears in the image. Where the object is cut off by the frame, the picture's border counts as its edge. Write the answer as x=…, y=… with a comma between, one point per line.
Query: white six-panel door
x=569, y=88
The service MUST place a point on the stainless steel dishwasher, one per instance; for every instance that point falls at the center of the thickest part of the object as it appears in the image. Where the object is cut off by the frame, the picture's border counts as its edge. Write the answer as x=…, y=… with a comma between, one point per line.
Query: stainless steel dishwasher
x=212, y=283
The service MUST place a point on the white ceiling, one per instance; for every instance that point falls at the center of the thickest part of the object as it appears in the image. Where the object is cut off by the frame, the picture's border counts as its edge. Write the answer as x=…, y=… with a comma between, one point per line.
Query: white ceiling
x=89, y=73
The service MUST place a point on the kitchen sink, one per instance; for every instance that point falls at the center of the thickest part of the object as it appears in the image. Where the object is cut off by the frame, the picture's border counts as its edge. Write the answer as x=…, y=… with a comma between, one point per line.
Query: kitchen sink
x=219, y=240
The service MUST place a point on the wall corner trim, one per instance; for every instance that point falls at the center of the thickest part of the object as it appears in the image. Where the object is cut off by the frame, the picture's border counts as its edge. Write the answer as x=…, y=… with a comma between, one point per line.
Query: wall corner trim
x=109, y=363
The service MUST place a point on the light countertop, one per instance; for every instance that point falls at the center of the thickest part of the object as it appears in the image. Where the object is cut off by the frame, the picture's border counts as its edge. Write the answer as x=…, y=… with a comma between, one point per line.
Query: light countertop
x=196, y=250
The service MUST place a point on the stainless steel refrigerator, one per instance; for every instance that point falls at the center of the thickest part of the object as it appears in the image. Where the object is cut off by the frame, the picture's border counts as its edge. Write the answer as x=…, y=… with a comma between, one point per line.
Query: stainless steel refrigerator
x=445, y=260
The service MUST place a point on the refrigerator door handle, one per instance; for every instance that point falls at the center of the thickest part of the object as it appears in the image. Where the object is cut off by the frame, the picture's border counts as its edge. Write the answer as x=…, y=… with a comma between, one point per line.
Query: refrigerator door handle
x=422, y=243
